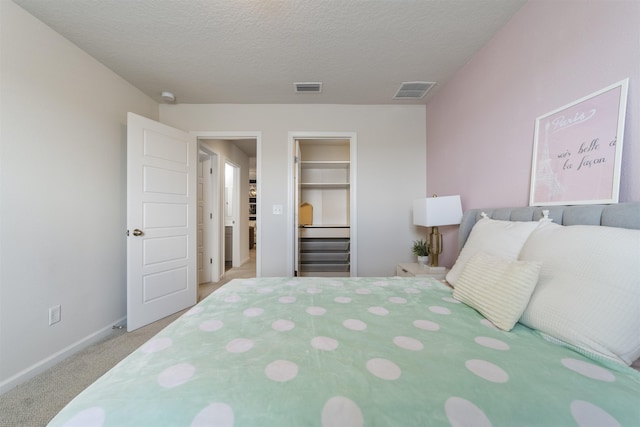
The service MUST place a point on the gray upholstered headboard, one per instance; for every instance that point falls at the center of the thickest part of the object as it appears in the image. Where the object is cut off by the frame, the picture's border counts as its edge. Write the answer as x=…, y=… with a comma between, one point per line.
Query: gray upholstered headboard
x=623, y=215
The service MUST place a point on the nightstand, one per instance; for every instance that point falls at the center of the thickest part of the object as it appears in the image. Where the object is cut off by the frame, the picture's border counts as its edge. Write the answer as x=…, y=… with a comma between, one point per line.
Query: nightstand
x=413, y=269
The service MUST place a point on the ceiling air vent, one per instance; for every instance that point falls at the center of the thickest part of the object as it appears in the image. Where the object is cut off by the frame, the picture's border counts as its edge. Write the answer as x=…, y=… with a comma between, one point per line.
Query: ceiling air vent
x=308, y=87
x=413, y=90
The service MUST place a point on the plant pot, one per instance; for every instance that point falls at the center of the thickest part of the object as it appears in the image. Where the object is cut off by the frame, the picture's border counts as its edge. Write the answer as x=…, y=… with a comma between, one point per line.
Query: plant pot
x=424, y=260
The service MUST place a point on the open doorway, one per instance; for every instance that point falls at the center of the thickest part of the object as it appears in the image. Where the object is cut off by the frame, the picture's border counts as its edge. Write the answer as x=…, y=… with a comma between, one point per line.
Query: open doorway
x=231, y=216
x=241, y=152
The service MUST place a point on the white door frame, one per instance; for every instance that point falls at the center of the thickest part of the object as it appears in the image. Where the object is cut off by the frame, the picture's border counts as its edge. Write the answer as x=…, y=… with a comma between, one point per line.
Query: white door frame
x=231, y=135
x=292, y=208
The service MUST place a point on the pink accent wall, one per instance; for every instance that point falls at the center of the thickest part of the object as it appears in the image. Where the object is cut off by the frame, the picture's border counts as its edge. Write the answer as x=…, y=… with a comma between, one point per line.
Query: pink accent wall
x=480, y=124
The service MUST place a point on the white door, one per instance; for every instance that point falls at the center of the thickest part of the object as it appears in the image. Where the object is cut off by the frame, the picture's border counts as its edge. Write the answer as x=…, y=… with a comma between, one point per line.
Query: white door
x=214, y=232
x=161, y=221
x=206, y=239
x=208, y=219
x=204, y=218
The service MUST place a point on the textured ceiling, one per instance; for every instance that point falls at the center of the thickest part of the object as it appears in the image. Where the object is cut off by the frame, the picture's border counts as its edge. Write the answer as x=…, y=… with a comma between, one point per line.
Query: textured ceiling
x=252, y=51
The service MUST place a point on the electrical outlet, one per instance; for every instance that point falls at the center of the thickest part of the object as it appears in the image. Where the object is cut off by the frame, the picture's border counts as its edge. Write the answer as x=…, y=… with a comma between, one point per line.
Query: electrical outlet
x=277, y=209
x=55, y=314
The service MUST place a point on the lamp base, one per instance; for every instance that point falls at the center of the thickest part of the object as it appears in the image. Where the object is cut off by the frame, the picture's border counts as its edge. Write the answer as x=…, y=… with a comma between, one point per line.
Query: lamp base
x=435, y=246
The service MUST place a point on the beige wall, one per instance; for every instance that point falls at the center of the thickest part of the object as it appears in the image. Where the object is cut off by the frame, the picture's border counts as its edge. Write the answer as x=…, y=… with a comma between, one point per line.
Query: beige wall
x=62, y=200
x=391, y=171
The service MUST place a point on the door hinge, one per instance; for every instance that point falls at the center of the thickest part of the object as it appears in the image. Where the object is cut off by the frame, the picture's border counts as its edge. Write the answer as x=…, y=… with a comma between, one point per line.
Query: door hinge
x=210, y=216
x=210, y=260
x=295, y=159
x=210, y=171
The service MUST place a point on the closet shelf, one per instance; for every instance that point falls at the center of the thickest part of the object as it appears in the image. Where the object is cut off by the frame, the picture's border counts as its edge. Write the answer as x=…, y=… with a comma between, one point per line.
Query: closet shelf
x=324, y=164
x=324, y=184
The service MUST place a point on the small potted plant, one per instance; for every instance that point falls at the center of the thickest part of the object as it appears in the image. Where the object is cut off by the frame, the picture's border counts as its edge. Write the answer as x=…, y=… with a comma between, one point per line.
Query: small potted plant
x=421, y=249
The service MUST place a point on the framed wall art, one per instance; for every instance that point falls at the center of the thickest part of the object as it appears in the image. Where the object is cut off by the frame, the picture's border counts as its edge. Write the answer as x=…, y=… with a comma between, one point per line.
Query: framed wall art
x=577, y=150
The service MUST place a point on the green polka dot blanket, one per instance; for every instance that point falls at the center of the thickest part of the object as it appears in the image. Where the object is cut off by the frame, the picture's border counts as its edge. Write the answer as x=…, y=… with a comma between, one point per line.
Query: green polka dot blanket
x=351, y=352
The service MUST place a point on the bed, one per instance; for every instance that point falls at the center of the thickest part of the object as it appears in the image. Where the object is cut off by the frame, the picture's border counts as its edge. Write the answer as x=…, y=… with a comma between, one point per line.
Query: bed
x=397, y=351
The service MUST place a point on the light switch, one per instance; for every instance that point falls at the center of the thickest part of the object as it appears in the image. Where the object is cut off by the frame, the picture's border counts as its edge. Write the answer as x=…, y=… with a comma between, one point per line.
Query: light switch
x=277, y=209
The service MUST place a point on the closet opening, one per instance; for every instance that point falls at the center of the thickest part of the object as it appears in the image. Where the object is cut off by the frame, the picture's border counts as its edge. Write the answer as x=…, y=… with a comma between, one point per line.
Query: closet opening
x=324, y=229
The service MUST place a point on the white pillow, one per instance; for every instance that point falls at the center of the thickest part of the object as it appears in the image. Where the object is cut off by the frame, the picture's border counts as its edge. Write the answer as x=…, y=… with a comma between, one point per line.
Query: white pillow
x=499, y=238
x=499, y=288
x=588, y=293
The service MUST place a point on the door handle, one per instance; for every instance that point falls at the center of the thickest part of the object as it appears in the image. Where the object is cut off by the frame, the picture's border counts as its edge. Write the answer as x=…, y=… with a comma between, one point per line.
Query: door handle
x=138, y=232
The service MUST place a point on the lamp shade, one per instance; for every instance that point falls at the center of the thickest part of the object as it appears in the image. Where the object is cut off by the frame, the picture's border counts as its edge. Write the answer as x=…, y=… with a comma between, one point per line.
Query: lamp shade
x=437, y=211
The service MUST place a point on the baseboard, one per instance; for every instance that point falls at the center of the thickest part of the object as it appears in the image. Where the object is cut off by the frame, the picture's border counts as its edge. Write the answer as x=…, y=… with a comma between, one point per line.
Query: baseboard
x=38, y=368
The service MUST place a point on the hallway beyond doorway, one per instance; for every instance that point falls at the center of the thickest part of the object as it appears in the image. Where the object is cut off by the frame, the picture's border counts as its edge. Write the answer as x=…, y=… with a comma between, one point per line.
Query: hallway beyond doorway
x=245, y=271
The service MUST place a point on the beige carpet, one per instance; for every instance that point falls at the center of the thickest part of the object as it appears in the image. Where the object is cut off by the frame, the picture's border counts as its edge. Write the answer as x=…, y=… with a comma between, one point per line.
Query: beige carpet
x=35, y=402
